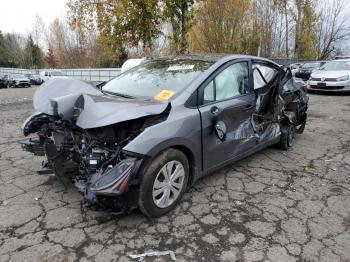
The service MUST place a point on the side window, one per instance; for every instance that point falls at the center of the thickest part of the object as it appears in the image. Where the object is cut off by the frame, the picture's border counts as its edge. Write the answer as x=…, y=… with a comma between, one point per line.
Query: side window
x=262, y=75
x=231, y=82
x=209, y=93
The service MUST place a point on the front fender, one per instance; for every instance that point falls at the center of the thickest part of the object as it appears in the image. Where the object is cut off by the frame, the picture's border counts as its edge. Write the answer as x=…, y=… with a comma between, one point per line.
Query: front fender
x=181, y=129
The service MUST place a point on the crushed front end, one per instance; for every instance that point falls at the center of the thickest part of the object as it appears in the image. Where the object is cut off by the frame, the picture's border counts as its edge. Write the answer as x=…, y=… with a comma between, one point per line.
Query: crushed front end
x=82, y=134
x=92, y=160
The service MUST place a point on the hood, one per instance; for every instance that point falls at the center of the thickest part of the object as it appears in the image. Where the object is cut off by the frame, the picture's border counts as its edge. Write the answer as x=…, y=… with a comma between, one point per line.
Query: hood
x=105, y=110
x=60, y=89
x=330, y=74
x=68, y=98
x=306, y=69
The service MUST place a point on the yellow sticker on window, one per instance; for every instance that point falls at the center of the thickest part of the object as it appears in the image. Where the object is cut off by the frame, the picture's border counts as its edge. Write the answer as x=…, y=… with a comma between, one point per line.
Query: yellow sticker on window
x=164, y=95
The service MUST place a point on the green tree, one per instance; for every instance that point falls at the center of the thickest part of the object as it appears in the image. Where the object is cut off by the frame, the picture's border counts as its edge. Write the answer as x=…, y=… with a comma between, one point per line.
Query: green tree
x=120, y=23
x=33, y=56
x=305, y=29
x=3, y=55
x=225, y=26
x=180, y=15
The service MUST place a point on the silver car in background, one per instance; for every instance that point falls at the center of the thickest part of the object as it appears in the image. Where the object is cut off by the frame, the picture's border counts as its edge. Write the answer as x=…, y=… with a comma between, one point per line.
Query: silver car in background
x=333, y=76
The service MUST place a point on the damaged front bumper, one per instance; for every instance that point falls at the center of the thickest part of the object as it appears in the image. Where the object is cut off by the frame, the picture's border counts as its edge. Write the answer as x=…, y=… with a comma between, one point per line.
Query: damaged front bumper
x=115, y=187
x=33, y=146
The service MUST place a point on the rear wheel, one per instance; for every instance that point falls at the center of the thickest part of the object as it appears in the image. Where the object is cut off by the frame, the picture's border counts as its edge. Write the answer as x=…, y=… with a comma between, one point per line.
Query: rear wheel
x=300, y=129
x=287, y=137
x=163, y=183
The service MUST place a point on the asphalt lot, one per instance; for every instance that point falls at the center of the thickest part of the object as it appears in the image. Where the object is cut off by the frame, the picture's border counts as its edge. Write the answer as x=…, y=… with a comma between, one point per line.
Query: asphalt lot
x=273, y=206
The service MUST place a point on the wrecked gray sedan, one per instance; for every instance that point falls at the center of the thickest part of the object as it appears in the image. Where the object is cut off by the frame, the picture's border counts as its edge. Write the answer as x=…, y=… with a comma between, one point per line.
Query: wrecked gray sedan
x=144, y=137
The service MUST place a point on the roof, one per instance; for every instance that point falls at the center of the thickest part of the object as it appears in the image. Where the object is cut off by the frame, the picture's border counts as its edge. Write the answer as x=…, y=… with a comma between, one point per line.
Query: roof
x=210, y=57
x=204, y=57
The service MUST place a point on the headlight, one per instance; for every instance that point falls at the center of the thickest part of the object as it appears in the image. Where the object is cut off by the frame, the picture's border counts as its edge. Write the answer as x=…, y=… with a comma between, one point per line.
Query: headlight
x=343, y=78
x=111, y=180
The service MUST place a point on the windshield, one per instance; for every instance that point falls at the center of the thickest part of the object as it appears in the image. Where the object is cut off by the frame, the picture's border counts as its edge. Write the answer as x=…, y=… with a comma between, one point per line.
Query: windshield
x=336, y=65
x=311, y=65
x=157, y=78
x=56, y=73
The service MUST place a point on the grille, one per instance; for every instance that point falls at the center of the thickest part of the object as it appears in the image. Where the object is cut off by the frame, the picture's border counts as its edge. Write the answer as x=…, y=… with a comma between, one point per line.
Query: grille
x=326, y=79
x=327, y=87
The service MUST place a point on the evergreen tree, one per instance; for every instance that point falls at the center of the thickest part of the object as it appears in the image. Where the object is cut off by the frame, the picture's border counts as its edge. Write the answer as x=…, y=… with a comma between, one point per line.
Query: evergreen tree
x=33, y=57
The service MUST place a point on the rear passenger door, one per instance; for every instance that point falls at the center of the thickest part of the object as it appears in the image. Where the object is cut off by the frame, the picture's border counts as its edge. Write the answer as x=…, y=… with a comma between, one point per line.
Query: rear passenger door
x=266, y=86
x=226, y=103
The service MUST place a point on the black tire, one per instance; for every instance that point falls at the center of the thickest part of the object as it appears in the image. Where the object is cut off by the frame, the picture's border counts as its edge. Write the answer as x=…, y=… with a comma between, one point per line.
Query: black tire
x=300, y=129
x=149, y=174
x=287, y=137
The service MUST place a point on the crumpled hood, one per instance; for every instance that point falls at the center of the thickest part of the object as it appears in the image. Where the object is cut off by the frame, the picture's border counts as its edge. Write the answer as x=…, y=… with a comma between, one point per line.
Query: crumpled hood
x=106, y=110
x=330, y=74
x=69, y=98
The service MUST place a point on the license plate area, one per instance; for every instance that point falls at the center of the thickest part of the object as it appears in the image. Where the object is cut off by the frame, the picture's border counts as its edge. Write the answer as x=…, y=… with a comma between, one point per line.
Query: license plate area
x=322, y=85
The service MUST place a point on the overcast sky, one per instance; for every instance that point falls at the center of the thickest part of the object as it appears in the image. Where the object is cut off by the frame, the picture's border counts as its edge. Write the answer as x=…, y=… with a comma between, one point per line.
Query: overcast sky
x=19, y=15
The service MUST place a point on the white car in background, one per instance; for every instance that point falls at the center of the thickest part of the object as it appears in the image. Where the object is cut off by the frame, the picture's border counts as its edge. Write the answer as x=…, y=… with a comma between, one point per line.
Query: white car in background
x=332, y=76
x=130, y=63
x=48, y=74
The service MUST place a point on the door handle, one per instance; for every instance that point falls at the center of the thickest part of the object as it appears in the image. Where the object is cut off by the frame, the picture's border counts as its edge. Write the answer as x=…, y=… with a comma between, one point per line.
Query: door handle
x=249, y=106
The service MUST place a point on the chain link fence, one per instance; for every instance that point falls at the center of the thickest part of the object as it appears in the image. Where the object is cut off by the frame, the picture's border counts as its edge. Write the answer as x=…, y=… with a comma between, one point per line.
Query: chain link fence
x=101, y=74
x=90, y=74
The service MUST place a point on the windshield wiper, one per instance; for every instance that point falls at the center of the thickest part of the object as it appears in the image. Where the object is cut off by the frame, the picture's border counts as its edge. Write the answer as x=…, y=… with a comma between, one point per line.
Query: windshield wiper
x=118, y=94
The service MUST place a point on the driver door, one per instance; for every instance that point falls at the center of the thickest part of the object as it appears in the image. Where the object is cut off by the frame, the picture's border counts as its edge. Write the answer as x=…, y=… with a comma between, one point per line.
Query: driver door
x=227, y=102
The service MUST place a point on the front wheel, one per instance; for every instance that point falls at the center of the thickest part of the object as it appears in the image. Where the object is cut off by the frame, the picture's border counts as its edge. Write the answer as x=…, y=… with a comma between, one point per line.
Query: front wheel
x=163, y=183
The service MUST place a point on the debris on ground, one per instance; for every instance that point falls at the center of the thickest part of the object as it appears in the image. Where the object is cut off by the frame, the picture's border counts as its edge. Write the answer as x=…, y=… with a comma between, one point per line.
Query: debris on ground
x=153, y=254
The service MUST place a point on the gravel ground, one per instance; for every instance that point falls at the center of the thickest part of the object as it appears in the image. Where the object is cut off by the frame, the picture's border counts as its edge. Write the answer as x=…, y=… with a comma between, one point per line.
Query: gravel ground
x=273, y=206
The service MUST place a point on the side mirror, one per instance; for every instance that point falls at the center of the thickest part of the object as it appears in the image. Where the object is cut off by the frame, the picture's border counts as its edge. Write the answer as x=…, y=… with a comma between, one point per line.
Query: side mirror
x=219, y=125
x=220, y=130
x=100, y=85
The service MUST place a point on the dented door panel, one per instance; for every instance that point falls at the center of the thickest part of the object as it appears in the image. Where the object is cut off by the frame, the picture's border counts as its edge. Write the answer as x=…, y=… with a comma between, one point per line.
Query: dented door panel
x=236, y=113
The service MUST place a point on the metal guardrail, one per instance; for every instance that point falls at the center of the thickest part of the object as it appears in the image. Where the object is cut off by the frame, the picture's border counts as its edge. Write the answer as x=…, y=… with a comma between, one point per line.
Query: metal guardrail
x=90, y=74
